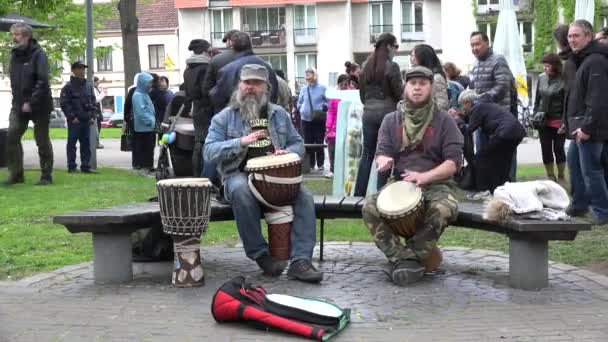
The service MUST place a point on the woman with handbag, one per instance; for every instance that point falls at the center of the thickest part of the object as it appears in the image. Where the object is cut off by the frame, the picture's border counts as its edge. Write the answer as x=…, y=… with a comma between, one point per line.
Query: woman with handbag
x=380, y=89
x=548, y=109
x=312, y=105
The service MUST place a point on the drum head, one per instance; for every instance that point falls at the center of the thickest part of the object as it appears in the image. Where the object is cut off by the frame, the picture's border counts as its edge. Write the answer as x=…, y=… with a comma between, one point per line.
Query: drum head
x=267, y=162
x=179, y=182
x=398, y=198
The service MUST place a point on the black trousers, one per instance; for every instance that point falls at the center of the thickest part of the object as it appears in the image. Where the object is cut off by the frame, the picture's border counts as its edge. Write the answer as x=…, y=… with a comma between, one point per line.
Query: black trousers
x=552, y=144
x=314, y=133
x=493, y=164
x=331, y=150
x=143, y=149
x=371, y=125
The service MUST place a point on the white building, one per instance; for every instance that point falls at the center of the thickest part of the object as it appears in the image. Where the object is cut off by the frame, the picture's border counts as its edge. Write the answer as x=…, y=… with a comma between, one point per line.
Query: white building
x=158, y=45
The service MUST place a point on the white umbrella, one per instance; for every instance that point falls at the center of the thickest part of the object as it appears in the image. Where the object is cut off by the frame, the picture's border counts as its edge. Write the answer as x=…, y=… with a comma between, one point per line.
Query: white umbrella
x=585, y=9
x=508, y=43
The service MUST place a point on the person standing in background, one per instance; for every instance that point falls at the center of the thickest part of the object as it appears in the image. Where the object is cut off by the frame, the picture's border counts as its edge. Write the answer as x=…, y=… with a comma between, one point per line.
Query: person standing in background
x=424, y=55
x=311, y=102
x=380, y=89
x=144, y=121
x=353, y=70
x=550, y=103
x=29, y=73
x=454, y=74
x=344, y=83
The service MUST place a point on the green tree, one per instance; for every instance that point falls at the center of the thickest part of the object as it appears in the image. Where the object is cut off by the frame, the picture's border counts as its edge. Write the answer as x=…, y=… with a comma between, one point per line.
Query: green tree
x=66, y=40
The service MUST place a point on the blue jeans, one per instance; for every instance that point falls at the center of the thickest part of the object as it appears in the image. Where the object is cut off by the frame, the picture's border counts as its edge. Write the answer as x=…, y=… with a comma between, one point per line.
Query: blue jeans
x=248, y=212
x=79, y=132
x=588, y=178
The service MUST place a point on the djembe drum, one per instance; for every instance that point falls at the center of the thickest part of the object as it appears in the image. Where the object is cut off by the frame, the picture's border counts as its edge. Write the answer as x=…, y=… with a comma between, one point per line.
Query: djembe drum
x=185, y=205
x=401, y=206
x=275, y=181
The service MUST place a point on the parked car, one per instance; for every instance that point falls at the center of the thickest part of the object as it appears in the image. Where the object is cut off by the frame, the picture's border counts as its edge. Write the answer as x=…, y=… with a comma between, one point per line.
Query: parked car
x=116, y=120
x=57, y=119
x=106, y=118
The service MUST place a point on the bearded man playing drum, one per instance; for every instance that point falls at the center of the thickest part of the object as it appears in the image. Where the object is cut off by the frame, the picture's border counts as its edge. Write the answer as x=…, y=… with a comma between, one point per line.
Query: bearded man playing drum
x=424, y=146
x=231, y=141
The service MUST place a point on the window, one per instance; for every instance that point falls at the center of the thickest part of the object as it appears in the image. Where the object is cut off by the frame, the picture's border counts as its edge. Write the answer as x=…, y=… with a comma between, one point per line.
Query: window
x=277, y=62
x=104, y=62
x=156, y=56
x=264, y=19
x=305, y=25
x=221, y=23
x=526, y=33
x=411, y=17
x=382, y=19
x=303, y=62
x=487, y=2
x=487, y=6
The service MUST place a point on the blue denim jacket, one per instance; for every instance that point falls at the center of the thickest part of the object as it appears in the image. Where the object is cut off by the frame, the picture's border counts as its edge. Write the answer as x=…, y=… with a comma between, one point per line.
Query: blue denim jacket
x=223, y=143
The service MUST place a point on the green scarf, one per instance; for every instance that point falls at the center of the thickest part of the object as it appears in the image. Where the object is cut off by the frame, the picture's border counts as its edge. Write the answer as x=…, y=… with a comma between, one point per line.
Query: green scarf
x=415, y=122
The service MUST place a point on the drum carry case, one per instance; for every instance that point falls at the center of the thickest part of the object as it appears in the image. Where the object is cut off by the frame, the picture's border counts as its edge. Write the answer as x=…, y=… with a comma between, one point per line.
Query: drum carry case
x=238, y=300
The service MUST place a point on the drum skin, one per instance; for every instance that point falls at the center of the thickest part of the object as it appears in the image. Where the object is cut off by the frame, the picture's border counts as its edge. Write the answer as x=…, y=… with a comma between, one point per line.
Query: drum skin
x=407, y=209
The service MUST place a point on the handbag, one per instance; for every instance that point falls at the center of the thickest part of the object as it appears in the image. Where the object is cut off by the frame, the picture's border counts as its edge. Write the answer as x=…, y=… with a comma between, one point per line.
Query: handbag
x=317, y=115
x=126, y=139
x=538, y=120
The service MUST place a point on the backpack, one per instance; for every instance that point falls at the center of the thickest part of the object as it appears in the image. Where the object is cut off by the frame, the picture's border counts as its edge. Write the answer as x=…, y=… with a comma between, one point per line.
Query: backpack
x=454, y=90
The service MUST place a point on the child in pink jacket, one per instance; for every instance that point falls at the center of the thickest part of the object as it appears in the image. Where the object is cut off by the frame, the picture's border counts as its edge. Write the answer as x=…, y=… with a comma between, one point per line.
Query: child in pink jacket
x=344, y=83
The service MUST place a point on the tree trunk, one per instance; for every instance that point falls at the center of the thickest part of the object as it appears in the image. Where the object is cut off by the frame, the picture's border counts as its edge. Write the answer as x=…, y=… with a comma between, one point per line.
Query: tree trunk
x=130, y=42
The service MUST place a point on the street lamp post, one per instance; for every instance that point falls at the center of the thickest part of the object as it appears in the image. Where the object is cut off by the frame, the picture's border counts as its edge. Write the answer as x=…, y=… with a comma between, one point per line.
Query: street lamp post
x=94, y=134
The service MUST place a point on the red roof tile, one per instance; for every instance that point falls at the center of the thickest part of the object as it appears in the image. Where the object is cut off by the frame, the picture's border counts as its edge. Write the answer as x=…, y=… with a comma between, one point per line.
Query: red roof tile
x=191, y=3
x=152, y=14
x=277, y=2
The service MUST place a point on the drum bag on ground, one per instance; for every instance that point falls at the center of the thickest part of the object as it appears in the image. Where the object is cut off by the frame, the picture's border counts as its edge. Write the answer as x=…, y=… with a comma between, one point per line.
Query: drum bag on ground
x=239, y=301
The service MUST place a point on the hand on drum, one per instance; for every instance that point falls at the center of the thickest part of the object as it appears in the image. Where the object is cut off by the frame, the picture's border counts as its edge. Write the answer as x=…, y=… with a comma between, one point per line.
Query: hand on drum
x=419, y=178
x=253, y=137
x=280, y=152
x=383, y=163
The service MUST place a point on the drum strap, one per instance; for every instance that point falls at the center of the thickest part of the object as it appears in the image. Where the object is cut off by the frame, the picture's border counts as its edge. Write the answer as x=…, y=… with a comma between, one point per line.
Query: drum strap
x=280, y=216
x=277, y=180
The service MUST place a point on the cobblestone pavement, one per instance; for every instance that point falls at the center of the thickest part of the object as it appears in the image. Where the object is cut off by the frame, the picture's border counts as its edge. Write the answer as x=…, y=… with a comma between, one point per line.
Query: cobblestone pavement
x=471, y=301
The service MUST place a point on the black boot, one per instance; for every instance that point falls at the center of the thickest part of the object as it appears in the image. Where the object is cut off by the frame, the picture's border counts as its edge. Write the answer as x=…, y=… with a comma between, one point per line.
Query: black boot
x=407, y=272
x=46, y=180
x=270, y=266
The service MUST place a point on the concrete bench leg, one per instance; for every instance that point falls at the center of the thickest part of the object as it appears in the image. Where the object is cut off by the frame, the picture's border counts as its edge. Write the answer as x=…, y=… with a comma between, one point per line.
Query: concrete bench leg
x=528, y=264
x=113, y=258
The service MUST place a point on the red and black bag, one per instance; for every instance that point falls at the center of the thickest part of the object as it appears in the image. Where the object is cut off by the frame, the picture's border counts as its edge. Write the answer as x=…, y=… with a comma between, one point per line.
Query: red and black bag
x=237, y=300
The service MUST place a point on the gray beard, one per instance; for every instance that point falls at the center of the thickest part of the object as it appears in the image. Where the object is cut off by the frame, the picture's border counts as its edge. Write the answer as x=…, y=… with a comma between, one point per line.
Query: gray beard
x=249, y=105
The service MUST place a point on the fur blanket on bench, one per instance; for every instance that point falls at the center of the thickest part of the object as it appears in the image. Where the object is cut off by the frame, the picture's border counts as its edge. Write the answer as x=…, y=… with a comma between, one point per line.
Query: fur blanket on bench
x=543, y=200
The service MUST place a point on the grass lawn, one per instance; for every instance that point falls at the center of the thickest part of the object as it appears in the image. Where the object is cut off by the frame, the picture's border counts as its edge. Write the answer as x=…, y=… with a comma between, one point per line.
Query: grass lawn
x=62, y=133
x=30, y=243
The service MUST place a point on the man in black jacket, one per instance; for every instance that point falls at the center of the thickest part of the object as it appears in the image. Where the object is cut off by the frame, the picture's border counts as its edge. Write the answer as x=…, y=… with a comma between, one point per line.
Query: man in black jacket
x=29, y=71
x=587, y=123
x=194, y=75
x=78, y=104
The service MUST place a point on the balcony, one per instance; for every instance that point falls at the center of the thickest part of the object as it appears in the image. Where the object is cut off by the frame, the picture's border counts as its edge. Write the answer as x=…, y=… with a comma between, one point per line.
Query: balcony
x=267, y=38
x=305, y=36
x=412, y=33
x=376, y=30
x=216, y=39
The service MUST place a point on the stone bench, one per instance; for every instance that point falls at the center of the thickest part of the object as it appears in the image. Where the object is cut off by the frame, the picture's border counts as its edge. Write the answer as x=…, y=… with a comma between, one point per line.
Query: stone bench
x=112, y=228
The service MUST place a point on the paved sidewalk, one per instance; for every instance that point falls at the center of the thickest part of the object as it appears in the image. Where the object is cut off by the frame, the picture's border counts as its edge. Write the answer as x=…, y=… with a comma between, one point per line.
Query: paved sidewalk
x=471, y=301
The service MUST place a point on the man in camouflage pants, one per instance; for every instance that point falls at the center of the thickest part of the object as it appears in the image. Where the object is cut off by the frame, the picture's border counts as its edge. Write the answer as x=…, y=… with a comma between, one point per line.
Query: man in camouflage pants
x=423, y=146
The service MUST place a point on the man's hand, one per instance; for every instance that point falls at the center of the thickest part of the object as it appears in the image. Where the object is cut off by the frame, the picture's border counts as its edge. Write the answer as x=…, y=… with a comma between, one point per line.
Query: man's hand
x=384, y=163
x=419, y=178
x=253, y=137
x=454, y=112
x=580, y=136
x=561, y=129
x=280, y=152
x=26, y=108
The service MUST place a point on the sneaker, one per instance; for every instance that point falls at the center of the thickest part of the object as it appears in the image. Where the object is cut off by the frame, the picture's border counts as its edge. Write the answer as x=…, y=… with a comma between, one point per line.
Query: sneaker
x=407, y=272
x=573, y=212
x=72, y=170
x=45, y=181
x=329, y=175
x=303, y=270
x=270, y=266
x=479, y=196
x=14, y=180
x=99, y=146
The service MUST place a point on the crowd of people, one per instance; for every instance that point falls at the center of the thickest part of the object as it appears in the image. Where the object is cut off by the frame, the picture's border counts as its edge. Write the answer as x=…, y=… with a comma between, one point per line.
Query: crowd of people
x=422, y=127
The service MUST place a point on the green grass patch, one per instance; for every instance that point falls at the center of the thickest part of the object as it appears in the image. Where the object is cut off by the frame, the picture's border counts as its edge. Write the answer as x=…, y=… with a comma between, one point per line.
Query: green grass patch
x=62, y=133
x=30, y=243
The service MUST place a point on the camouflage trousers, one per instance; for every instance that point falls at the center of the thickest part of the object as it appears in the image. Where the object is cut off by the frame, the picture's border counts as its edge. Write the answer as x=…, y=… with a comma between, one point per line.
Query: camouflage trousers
x=441, y=208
